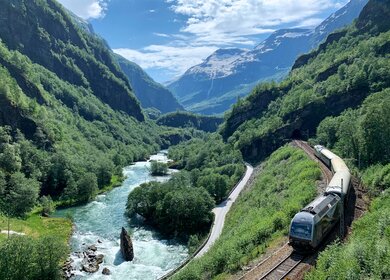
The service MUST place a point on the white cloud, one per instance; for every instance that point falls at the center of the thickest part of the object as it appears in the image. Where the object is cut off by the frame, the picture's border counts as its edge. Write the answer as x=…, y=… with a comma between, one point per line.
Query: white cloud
x=236, y=18
x=86, y=9
x=213, y=24
x=161, y=35
x=177, y=59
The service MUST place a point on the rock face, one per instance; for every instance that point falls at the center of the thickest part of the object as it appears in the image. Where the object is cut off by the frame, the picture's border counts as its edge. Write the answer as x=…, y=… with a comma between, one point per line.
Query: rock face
x=126, y=246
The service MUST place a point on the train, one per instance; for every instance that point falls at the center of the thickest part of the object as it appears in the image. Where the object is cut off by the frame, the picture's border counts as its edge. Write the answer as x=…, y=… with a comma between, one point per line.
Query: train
x=311, y=225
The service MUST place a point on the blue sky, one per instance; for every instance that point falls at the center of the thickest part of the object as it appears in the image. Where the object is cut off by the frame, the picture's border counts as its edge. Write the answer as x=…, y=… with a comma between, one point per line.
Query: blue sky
x=166, y=37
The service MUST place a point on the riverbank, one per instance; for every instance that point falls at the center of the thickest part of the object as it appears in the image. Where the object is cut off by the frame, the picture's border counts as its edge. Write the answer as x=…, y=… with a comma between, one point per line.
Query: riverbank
x=35, y=225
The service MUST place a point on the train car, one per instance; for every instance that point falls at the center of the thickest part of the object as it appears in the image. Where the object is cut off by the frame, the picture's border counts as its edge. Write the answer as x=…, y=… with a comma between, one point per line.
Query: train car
x=324, y=155
x=340, y=184
x=338, y=165
x=311, y=225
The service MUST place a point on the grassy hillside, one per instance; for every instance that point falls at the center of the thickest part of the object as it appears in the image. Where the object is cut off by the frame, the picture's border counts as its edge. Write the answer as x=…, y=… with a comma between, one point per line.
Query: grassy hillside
x=261, y=214
x=351, y=65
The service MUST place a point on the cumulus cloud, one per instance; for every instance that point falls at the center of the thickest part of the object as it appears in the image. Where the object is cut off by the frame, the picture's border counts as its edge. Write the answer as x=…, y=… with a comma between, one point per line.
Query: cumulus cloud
x=174, y=58
x=86, y=9
x=235, y=18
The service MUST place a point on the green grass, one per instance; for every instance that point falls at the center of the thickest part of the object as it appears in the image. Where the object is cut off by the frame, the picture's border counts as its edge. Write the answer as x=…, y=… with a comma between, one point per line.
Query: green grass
x=37, y=226
x=116, y=181
x=260, y=216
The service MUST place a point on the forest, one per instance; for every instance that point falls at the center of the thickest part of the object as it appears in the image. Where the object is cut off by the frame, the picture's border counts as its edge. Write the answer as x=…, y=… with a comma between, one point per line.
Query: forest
x=182, y=206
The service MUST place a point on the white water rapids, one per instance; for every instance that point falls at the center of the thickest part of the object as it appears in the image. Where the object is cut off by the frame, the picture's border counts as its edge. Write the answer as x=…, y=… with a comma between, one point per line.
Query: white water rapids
x=103, y=218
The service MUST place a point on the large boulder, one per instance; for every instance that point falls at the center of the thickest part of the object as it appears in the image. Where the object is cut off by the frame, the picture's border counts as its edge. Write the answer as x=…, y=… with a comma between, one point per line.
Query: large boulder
x=126, y=246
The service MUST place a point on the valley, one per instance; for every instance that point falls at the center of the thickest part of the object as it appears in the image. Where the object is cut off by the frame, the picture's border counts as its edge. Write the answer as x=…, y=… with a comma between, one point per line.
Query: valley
x=105, y=173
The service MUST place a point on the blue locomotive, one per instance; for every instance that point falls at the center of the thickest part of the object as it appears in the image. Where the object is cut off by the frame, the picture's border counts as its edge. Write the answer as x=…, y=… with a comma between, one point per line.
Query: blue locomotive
x=310, y=226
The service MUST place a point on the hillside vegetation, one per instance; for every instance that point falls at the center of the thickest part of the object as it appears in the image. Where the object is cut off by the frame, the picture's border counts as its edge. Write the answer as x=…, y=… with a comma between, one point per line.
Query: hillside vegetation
x=190, y=120
x=68, y=121
x=150, y=93
x=349, y=66
x=261, y=214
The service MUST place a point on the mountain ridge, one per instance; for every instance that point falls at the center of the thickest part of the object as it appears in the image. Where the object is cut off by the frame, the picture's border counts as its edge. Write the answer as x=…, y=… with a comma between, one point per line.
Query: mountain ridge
x=271, y=59
x=150, y=93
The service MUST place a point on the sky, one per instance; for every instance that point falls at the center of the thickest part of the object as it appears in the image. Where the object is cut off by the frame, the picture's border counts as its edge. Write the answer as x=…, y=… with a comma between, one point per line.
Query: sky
x=167, y=37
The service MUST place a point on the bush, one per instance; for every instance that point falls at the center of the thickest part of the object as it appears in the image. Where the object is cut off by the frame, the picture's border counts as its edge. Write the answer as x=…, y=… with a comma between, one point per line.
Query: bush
x=176, y=208
x=24, y=258
x=158, y=168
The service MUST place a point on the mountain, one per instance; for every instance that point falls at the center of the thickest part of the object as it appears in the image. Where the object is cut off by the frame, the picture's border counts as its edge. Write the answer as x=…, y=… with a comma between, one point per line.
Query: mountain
x=214, y=85
x=65, y=50
x=68, y=118
x=349, y=68
x=150, y=93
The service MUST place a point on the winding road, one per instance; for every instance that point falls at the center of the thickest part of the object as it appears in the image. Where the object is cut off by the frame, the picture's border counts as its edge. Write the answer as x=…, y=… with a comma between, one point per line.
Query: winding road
x=222, y=209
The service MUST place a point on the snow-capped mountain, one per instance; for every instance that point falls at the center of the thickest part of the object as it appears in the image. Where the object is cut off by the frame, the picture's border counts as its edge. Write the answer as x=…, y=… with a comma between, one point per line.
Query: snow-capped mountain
x=214, y=85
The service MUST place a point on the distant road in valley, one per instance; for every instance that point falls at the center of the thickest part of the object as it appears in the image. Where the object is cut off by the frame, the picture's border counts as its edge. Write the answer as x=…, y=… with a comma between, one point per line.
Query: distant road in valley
x=222, y=209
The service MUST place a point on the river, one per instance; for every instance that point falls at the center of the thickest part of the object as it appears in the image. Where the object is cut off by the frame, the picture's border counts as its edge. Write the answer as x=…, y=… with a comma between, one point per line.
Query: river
x=103, y=218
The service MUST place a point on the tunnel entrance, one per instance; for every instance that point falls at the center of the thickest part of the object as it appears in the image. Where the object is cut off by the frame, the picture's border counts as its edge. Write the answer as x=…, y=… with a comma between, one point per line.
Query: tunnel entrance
x=296, y=135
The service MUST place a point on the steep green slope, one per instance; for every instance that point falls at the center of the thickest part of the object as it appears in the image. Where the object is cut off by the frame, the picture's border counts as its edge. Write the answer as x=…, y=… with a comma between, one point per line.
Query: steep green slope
x=351, y=65
x=150, y=93
x=61, y=132
x=362, y=136
x=46, y=33
x=261, y=214
x=186, y=119
x=68, y=119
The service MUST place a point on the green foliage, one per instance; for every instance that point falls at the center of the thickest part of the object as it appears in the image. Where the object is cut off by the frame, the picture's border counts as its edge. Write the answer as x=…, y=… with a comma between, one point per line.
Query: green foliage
x=187, y=119
x=362, y=134
x=176, y=207
x=88, y=186
x=67, y=131
x=366, y=254
x=261, y=213
x=158, y=168
x=214, y=165
x=151, y=94
x=339, y=75
x=47, y=204
x=26, y=258
x=216, y=184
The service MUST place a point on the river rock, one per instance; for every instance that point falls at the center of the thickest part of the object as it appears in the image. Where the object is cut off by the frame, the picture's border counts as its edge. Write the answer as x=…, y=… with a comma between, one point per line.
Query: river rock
x=91, y=267
x=106, y=271
x=126, y=246
x=99, y=258
x=92, y=248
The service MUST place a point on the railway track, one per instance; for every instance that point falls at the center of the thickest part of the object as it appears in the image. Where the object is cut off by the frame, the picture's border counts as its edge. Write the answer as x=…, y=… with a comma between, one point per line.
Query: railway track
x=282, y=269
x=310, y=152
x=285, y=264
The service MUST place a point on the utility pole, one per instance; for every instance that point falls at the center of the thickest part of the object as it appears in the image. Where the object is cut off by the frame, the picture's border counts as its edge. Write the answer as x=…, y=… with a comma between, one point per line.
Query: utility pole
x=342, y=212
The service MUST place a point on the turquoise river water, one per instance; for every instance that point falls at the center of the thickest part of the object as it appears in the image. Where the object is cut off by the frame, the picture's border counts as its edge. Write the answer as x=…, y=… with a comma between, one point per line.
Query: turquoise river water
x=103, y=218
